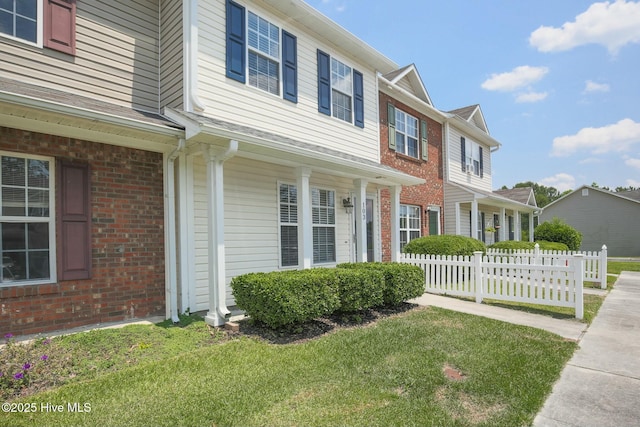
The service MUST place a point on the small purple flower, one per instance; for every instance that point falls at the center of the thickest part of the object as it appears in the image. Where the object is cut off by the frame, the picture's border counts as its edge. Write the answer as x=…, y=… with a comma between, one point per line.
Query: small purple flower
x=18, y=376
x=26, y=366
x=44, y=357
x=1, y=374
x=8, y=336
x=47, y=341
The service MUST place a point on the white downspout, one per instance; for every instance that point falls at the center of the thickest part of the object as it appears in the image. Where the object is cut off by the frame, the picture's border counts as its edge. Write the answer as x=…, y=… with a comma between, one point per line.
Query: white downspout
x=190, y=58
x=218, y=311
x=171, y=275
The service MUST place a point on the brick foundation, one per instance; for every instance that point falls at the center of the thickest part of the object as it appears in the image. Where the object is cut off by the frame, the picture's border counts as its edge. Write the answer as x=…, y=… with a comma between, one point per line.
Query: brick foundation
x=430, y=193
x=127, y=240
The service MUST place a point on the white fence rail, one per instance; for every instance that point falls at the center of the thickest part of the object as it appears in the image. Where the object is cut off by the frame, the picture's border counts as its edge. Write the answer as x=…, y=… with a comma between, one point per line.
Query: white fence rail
x=558, y=282
x=595, y=263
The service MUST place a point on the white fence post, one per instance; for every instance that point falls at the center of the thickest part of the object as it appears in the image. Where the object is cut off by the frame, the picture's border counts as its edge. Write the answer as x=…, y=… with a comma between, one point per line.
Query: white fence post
x=536, y=254
x=477, y=274
x=603, y=267
x=578, y=278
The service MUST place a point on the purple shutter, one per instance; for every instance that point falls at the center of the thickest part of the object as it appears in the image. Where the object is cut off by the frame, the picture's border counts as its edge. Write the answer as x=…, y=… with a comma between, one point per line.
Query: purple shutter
x=60, y=25
x=74, y=221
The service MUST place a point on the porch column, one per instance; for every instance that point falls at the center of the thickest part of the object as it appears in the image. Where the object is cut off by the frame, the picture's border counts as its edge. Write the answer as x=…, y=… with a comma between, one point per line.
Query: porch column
x=474, y=219
x=531, y=227
x=215, y=159
x=305, y=222
x=360, y=208
x=394, y=193
x=458, y=228
x=517, y=227
x=504, y=229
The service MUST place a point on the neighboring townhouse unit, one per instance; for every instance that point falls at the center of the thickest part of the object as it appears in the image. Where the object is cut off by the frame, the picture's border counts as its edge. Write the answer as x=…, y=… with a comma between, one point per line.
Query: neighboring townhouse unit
x=471, y=207
x=280, y=166
x=81, y=163
x=411, y=141
x=603, y=218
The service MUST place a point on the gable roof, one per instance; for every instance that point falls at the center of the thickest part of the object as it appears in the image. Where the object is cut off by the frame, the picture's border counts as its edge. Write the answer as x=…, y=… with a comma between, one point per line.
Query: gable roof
x=635, y=196
x=409, y=78
x=473, y=115
x=522, y=195
x=495, y=199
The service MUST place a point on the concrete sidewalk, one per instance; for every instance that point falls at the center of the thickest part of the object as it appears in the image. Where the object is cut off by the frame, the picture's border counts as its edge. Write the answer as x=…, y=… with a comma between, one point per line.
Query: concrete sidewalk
x=600, y=386
x=567, y=328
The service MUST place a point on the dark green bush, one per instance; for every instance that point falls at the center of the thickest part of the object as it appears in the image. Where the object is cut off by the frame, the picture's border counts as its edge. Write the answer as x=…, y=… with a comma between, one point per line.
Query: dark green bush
x=284, y=298
x=360, y=289
x=444, y=245
x=401, y=281
x=512, y=245
x=552, y=246
x=558, y=231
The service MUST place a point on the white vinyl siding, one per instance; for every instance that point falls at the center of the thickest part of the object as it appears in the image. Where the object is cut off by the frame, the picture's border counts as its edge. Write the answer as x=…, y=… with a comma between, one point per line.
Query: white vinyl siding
x=116, y=55
x=260, y=110
x=171, y=71
x=454, y=167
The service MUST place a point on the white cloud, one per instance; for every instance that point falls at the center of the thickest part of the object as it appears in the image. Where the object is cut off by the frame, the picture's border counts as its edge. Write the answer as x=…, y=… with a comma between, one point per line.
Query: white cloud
x=517, y=78
x=611, y=24
x=591, y=86
x=634, y=163
x=560, y=181
x=615, y=137
x=590, y=160
x=531, y=97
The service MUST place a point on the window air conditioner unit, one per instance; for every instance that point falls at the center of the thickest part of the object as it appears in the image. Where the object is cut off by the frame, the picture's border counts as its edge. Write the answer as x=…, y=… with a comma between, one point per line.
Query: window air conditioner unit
x=470, y=168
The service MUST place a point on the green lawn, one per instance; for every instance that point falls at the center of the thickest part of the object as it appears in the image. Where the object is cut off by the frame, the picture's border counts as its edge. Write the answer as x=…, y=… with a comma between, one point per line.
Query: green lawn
x=393, y=372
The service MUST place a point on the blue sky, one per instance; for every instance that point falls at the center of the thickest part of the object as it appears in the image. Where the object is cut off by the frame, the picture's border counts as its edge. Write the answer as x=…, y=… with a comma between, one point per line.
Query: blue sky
x=558, y=81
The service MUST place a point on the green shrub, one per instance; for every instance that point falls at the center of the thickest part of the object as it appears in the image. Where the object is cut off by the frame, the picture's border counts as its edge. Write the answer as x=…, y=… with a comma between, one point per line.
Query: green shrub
x=513, y=245
x=360, y=289
x=552, y=246
x=401, y=281
x=284, y=298
x=558, y=231
x=444, y=245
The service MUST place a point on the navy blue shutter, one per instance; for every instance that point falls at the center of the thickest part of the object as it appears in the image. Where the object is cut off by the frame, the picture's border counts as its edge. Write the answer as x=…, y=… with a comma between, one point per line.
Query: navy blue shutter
x=481, y=163
x=324, y=83
x=289, y=66
x=236, y=43
x=463, y=157
x=358, y=98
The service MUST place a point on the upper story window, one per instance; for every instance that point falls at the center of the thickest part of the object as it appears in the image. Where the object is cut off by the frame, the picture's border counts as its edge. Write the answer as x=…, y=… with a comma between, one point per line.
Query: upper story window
x=340, y=90
x=471, y=157
x=404, y=133
x=48, y=23
x=20, y=19
x=261, y=52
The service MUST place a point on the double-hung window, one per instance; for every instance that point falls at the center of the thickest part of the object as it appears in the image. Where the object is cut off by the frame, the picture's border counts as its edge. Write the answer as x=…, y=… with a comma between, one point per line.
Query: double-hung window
x=406, y=134
x=27, y=222
x=288, y=207
x=340, y=90
x=323, y=210
x=261, y=54
x=471, y=157
x=48, y=23
x=409, y=224
x=405, y=131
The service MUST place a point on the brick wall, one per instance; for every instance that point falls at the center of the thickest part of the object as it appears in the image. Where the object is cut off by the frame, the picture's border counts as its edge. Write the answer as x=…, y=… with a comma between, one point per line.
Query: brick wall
x=430, y=193
x=127, y=241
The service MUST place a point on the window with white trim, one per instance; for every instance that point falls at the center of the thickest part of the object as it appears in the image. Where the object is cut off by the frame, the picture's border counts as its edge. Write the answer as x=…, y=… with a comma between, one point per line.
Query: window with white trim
x=264, y=54
x=323, y=212
x=341, y=90
x=472, y=160
x=288, y=218
x=22, y=19
x=409, y=224
x=27, y=222
x=406, y=134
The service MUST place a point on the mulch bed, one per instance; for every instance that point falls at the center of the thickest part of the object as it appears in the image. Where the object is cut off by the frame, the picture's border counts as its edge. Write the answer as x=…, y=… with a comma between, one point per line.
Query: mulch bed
x=318, y=327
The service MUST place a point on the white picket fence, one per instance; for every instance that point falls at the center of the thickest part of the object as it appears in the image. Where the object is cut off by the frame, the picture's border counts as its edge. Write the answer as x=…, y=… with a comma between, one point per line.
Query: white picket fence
x=558, y=282
x=595, y=263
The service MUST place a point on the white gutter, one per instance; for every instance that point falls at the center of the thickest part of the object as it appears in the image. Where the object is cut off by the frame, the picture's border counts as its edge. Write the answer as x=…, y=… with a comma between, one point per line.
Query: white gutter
x=190, y=57
x=170, y=233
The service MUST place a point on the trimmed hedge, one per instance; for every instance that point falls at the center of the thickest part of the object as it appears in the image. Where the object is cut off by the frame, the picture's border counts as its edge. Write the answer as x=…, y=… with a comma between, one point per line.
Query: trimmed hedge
x=514, y=245
x=401, y=281
x=558, y=231
x=552, y=246
x=282, y=298
x=444, y=245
